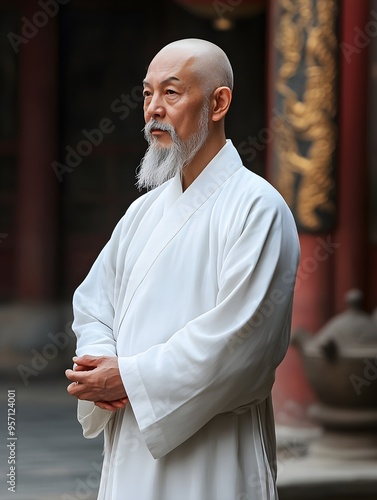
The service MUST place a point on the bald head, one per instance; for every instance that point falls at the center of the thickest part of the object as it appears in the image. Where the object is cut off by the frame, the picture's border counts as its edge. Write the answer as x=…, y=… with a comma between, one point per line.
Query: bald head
x=187, y=93
x=206, y=61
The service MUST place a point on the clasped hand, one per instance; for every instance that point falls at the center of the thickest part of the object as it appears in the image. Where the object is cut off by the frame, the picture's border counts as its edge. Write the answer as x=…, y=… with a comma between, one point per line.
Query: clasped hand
x=97, y=379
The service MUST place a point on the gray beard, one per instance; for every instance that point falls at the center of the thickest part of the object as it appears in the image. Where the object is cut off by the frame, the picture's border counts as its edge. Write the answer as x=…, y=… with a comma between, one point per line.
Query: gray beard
x=162, y=163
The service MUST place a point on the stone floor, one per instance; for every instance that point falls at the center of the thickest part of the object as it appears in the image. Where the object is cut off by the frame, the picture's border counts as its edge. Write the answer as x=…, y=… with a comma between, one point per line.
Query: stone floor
x=54, y=461
x=313, y=465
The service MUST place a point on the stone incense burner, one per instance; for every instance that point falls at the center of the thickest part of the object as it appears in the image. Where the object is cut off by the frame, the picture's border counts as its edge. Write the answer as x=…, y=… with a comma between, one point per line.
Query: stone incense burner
x=340, y=363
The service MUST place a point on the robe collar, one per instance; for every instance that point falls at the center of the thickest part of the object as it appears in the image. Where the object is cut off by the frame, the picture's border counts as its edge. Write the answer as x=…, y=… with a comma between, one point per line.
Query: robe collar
x=179, y=207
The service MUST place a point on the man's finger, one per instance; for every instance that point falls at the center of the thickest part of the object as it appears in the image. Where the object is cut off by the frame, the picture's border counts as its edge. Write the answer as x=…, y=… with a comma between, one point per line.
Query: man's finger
x=71, y=388
x=86, y=360
x=105, y=405
x=112, y=405
x=69, y=373
x=76, y=375
x=83, y=368
x=119, y=403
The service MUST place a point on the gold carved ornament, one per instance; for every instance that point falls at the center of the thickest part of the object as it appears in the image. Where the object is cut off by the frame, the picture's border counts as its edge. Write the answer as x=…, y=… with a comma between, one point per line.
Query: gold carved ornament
x=307, y=44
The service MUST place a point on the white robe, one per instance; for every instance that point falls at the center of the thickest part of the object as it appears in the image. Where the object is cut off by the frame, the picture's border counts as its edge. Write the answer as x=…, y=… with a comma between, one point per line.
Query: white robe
x=193, y=293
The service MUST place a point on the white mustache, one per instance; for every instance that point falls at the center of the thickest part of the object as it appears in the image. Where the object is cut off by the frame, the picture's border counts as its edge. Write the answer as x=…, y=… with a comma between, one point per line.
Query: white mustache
x=156, y=125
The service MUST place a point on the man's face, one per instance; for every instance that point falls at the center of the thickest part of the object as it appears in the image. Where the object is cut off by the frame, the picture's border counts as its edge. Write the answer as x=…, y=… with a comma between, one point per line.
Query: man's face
x=176, y=115
x=173, y=96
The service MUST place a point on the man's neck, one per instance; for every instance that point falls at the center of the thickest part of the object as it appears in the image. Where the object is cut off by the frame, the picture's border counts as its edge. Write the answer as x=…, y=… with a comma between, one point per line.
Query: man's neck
x=209, y=150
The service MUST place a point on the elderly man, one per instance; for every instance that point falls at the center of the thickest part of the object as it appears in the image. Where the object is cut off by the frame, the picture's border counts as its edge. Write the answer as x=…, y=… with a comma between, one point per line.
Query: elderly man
x=185, y=315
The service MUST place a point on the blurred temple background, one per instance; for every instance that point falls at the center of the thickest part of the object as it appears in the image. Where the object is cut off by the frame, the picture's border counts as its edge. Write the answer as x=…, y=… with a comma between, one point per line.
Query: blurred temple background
x=304, y=115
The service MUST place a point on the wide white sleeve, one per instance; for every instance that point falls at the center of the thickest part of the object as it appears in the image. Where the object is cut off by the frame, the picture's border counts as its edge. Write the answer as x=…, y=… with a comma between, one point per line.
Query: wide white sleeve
x=225, y=358
x=93, y=312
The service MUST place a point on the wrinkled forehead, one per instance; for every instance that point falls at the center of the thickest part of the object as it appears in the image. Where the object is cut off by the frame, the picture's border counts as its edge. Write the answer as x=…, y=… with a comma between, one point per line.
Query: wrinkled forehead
x=173, y=65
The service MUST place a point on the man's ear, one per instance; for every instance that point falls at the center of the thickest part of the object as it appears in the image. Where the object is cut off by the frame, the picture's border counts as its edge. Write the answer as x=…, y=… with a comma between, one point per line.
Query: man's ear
x=221, y=100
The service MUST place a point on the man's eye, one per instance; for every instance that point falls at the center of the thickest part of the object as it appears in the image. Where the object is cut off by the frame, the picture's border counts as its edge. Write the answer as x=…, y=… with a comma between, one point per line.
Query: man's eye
x=170, y=91
x=146, y=93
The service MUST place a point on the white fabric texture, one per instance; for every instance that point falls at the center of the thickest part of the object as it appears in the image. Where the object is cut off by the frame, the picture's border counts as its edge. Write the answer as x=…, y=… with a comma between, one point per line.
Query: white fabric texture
x=193, y=293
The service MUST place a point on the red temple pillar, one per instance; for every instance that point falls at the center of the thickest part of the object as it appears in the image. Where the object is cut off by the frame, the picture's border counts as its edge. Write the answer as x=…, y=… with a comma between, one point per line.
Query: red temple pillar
x=37, y=185
x=352, y=231
x=301, y=163
x=322, y=280
x=371, y=302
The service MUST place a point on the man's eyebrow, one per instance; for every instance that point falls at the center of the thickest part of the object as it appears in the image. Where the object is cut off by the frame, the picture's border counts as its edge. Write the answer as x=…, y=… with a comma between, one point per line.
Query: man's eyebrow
x=167, y=80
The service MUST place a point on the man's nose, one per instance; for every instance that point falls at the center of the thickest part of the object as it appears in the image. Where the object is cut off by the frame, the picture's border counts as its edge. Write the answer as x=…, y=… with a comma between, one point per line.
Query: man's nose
x=155, y=108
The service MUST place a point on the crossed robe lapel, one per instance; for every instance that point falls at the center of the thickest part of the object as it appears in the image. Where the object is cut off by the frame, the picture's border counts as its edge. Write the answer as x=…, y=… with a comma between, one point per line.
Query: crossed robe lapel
x=179, y=207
